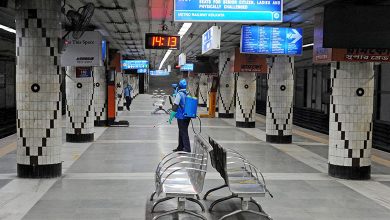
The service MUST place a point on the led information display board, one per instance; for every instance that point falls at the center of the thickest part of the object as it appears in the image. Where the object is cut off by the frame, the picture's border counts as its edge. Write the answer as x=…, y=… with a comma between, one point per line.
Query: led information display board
x=159, y=73
x=134, y=64
x=162, y=41
x=187, y=67
x=271, y=40
x=228, y=11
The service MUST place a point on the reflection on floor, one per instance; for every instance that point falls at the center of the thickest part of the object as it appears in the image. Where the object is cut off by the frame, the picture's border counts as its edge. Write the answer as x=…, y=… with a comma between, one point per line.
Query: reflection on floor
x=112, y=177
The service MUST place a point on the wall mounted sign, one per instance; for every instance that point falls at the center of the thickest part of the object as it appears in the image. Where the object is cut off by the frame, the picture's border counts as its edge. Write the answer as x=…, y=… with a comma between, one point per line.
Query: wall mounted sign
x=228, y=11
x=187, y=67
x=134, y=64
x=83, y=72
x=86, y=51
x=211, y=39
x=271, y=40
x=162, y=41
x=249, y=63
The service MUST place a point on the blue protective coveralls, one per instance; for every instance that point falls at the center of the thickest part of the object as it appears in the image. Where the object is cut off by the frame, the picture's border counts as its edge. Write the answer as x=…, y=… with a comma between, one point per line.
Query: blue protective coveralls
x=182, y=121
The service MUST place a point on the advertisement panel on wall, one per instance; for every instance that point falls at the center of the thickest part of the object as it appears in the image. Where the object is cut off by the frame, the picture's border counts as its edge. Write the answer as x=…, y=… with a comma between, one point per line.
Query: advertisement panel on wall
x=271, y=40
x=249, y=63
x=86, y=51
x=228, y=11
x=211, y=39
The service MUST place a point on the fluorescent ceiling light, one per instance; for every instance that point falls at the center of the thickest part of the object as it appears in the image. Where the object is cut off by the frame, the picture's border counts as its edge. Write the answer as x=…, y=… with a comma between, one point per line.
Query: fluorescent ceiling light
x=165, y=58
x=7, y=29
x=308, y=45
x=183, y=30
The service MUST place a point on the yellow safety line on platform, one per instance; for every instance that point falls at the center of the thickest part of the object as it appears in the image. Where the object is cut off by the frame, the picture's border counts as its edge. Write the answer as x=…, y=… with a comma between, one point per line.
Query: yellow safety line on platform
x=7, y=149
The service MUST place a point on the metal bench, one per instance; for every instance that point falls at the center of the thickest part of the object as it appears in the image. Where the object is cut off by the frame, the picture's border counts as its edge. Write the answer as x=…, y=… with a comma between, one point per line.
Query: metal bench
x=242, y=178
x=181, y=175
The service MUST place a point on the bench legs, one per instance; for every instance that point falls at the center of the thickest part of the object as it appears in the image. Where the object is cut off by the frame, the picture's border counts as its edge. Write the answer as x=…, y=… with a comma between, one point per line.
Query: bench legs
x=181, y=209
x=197, y=202
x=152, y=196
x=245, y=209
x=214, y=189
x=160, y=201
x=221, y=200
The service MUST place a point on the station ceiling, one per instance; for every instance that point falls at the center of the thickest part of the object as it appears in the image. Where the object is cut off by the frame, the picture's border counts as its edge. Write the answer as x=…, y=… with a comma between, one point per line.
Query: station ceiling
x=124, y=23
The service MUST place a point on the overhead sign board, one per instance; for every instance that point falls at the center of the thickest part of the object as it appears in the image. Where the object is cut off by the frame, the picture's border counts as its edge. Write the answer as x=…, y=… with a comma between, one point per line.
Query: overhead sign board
x=142, y=70
x=162, y=41
x=159, y=73
x=211, y=40
x=134, y=64
x=182, y=59
x=187, y=67
x=85, y=51
x=243, y=11
x=271, y=40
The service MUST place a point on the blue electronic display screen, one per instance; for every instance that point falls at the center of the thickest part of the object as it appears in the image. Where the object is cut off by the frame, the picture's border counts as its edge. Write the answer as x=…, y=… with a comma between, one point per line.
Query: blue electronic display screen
x=271, y=40
x=187, y=67
x=134, y=64
x=159, y=73
x=228, y=11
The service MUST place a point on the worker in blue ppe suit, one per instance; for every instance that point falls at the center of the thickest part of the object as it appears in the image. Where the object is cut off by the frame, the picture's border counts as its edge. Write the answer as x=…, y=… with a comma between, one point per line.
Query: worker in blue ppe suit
x=128, y=98
x=182, y=122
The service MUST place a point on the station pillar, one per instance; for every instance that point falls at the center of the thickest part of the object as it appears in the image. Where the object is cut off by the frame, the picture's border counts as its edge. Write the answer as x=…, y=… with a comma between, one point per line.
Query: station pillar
x=38, y=79
x=100, y=95
x=350, y=122
x=203, y=90
x=226, y=85
x=245, y=99
x=79, y=107
x=193, y=82
x=280, y=99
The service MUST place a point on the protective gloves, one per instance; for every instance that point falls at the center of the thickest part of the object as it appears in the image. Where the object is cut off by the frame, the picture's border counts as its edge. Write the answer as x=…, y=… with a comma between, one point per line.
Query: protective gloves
x=172, y=115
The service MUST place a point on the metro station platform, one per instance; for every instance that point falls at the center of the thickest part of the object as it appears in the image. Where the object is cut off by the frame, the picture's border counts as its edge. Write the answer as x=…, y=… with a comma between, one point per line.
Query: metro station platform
x=112, y=178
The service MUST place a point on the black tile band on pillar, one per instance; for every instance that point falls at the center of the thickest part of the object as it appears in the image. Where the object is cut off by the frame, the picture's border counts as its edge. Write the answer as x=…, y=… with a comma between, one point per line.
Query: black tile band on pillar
x=119, y=92
x=79, y=107
x=100, y=96
x=203, y=87
x=350, y=121
x=280, y=99
x=226, y=85
x=39, y=132
x=245, y=99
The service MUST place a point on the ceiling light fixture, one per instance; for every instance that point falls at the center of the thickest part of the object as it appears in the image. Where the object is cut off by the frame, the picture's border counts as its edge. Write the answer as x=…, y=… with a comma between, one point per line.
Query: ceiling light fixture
x=183, y=30
x=7, y=29
x=308, y=45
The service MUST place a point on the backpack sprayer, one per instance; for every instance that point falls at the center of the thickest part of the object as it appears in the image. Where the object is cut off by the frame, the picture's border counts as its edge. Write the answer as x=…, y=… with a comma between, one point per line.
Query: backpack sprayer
x=190, y=111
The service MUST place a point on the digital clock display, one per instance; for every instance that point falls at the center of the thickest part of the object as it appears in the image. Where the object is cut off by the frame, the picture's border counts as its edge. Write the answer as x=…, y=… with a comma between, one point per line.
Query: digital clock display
x=162, y=41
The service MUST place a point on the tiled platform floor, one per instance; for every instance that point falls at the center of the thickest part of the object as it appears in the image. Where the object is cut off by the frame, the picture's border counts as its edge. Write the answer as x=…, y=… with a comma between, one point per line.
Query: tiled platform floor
x=112, y=177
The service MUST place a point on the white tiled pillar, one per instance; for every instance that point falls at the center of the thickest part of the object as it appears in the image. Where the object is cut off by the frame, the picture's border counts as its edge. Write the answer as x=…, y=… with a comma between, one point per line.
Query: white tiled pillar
x=193, y=82
x=209, y=83
x=38, y=96
x=226, y=85
x=203, y=87
x=280, y=100
x=100, y=96
x=79, y=107
x=119, y=91
x=350, y=122
x=245, y=99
